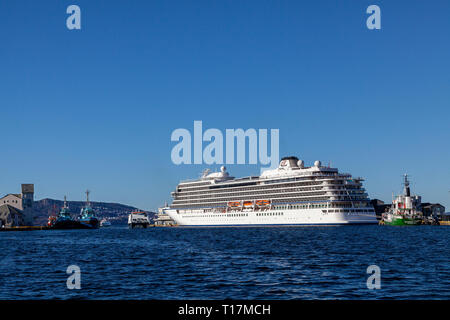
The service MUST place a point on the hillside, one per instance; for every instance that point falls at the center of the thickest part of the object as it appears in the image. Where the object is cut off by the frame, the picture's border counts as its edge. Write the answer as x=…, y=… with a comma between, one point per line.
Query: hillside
x=115, y=212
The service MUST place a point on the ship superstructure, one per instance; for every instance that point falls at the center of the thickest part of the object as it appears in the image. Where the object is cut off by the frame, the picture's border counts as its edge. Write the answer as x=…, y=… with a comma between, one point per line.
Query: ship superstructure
x=88, y=217
x=291, y=194
x=405, y=209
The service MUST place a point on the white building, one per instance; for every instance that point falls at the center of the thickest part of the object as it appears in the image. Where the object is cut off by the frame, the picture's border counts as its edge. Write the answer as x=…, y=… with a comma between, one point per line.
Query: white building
x=23, y=203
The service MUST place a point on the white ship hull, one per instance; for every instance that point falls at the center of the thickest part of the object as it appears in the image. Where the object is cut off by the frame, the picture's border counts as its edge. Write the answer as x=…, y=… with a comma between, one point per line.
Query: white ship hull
x=272, y=217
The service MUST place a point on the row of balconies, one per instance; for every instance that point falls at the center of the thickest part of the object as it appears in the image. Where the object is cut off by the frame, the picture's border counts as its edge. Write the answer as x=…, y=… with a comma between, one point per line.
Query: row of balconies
x=330, y=191
x=278, y=196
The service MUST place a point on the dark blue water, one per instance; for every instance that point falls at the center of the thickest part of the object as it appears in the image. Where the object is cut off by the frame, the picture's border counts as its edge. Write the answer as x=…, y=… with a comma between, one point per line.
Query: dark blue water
x=219, y=263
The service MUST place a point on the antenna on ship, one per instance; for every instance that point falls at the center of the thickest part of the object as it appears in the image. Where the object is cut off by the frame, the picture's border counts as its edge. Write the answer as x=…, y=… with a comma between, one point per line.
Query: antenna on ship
x=205, y=172
x=87, y=198
x=65, y=201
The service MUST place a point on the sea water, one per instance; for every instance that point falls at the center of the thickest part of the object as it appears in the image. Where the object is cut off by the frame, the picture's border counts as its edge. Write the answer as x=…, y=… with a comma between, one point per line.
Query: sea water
x=220, y=263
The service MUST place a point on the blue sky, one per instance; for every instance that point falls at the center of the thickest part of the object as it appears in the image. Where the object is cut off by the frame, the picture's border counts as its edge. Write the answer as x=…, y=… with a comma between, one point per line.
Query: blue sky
x=94, y=108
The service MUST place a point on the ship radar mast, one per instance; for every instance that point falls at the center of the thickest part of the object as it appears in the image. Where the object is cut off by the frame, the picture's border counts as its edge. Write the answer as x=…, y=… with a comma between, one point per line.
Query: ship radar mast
x=65, y=202
x=87, y=198
x=205, y=173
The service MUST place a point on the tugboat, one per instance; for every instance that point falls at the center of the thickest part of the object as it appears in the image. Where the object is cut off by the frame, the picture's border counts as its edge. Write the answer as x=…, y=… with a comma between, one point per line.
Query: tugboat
x=405, y=209
x=138, y=219
x=88, y=219
x=63, y=220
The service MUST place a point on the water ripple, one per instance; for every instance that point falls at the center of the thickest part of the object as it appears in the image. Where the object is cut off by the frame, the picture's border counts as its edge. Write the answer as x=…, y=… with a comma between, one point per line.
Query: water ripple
x=219, y=263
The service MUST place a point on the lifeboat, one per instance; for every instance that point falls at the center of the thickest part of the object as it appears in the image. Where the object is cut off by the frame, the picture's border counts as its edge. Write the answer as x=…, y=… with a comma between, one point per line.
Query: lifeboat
x=234, y=204
x=247, y=204
x=262, y=203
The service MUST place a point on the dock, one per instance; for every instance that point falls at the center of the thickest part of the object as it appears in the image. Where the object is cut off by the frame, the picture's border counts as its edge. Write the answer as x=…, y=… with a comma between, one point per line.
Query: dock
x=25, y=228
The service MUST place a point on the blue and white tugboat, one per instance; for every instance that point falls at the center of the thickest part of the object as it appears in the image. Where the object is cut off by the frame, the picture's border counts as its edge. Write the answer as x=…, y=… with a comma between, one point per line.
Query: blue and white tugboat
x=64, y=219
x=88, y=218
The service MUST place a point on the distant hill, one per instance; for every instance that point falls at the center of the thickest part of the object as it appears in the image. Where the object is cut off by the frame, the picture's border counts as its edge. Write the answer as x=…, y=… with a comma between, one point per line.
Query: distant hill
x=115, y=212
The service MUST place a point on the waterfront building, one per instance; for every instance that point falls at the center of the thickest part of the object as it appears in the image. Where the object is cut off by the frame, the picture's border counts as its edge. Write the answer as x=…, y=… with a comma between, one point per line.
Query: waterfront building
x=433, y=209
x=10, y=216
x=21, y=203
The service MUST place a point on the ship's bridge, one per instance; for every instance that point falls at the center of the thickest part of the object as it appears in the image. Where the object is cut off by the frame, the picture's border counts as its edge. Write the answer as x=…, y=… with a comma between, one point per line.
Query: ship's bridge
x=292, y=166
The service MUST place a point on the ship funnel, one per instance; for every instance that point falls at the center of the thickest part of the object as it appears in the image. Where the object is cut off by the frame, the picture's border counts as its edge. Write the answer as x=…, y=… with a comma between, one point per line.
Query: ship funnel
x=288, y=162
x=407, y=189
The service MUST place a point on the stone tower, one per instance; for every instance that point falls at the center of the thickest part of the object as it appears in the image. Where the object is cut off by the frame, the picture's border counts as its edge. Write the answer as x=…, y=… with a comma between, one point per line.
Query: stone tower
x=27, y=203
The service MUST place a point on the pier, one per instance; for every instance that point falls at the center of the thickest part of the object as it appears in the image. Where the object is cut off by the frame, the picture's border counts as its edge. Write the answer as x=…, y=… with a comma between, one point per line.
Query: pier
x=24, y=228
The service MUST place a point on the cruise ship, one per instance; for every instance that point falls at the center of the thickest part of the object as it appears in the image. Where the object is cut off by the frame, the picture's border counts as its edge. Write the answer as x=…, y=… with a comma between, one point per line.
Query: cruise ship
x=291, y=194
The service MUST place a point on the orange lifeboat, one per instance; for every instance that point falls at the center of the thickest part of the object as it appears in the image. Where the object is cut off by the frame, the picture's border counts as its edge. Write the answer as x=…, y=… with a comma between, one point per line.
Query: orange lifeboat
x=234, y=204
x=247, y=204
x=262, y=203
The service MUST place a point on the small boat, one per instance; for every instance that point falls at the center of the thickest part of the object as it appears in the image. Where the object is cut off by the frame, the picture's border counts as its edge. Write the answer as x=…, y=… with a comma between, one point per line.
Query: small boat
x=105, y=223
x=138, y=219
x=88, y=219
x=405, y=209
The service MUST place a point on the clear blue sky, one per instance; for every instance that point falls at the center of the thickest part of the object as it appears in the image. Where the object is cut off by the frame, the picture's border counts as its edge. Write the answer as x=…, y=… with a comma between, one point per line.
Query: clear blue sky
x=95, y=108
